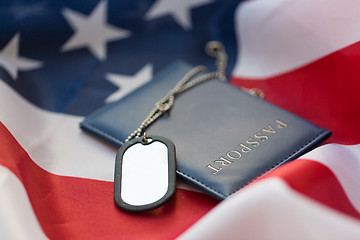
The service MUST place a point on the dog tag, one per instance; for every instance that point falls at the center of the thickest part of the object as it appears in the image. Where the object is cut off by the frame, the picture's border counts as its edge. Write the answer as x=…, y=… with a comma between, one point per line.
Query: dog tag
x=144, y=173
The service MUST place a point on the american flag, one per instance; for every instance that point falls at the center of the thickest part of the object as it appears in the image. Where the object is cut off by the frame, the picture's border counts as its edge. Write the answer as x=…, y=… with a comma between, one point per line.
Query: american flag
x=62, y=60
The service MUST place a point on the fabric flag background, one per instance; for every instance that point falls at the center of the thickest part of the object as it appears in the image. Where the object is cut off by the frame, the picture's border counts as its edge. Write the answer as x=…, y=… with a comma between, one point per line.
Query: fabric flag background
x=62, y=60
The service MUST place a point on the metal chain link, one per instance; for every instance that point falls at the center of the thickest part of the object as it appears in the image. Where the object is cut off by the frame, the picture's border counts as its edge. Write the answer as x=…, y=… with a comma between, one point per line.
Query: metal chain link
x=214, y=49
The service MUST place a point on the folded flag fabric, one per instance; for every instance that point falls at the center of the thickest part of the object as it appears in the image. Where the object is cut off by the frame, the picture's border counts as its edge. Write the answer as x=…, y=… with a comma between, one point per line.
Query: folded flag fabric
x=60, y=61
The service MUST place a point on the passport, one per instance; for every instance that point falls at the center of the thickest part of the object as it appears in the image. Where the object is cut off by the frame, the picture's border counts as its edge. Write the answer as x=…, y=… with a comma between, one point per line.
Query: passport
x=225, y=138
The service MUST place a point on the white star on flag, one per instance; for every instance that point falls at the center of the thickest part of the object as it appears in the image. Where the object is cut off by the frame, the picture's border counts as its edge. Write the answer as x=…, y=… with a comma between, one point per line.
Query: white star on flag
x=127, y=84
x=179, y=10
x=12, y=62
x=92, y=31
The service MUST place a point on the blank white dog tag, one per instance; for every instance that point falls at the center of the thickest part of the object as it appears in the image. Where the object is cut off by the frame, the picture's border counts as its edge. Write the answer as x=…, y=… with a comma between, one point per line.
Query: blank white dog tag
x=144, y=173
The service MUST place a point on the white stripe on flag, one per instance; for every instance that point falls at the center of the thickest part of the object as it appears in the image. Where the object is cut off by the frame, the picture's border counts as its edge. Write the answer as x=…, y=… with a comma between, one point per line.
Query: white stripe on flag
x=270, y=209
x=54, y=141
x=17, y=220
x=281, y=35
x=344, y=162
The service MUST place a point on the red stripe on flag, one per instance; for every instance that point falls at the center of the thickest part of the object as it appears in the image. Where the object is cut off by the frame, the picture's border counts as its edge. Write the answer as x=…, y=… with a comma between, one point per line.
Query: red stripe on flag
x=325, y=92
x=77, y=208
x=316, y=181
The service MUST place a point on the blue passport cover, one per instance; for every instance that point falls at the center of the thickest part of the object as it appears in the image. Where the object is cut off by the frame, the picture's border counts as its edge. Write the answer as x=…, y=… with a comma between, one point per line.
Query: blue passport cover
x=224, y=137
